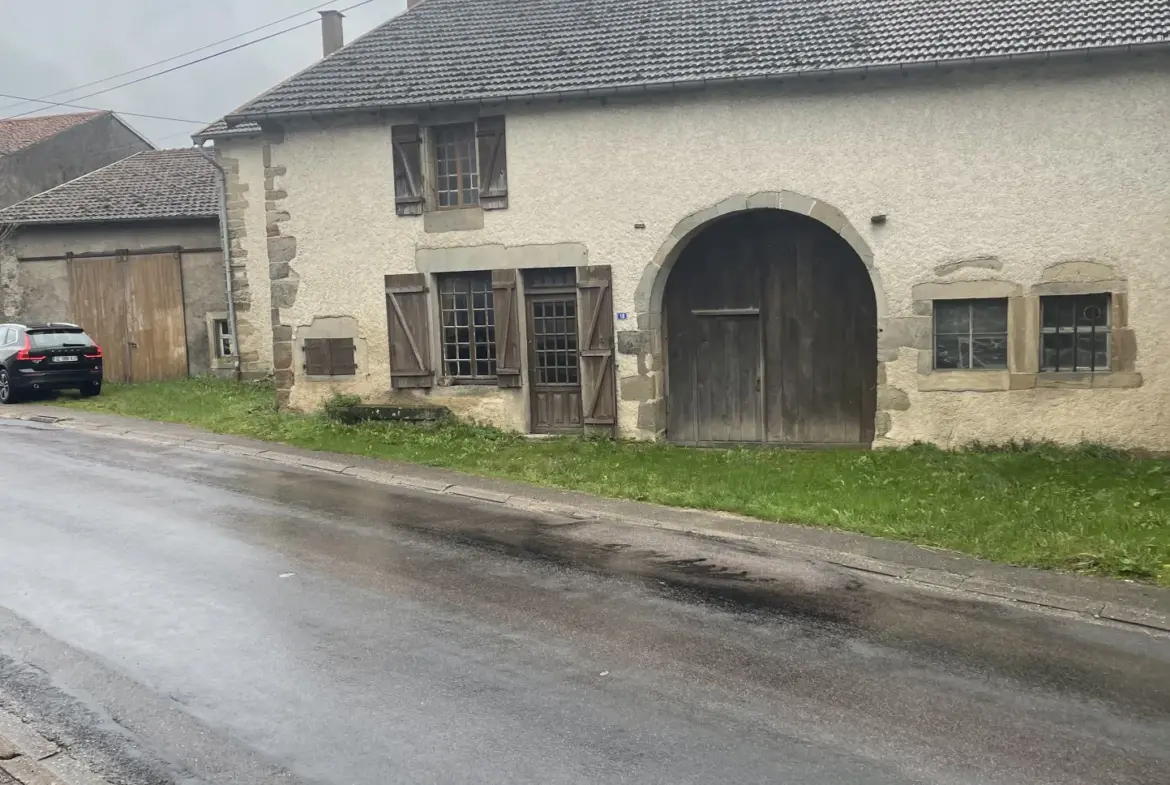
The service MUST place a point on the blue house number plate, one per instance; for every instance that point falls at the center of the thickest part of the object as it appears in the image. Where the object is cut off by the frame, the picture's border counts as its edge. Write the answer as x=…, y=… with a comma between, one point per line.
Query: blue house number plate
x=622, y=316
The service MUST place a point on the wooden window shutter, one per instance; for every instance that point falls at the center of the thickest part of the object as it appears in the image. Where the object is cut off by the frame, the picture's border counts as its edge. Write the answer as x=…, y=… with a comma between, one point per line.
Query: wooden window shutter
x=507, y=310
x=407, y=324
x=598, y=375
x=316, y=357
x=342, y=357
x=408, y=171
x=493, y=163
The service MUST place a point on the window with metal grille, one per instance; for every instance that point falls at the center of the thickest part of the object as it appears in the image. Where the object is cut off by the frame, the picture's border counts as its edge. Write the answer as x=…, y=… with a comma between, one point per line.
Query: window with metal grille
x=456, y=167
x=554, y=334
x=970, y=334
x=1074, y=333
x=469, y=326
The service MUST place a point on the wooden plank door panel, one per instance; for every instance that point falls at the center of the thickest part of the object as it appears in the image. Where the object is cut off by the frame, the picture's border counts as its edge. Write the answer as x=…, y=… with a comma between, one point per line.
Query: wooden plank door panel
x=727, y=394
x=820, y=342
x=156, y=324
x=99, y=304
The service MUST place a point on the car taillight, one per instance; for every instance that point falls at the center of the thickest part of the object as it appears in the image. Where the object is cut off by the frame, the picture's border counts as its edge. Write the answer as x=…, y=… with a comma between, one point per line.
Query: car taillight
x=23, y=354
x=96, y=354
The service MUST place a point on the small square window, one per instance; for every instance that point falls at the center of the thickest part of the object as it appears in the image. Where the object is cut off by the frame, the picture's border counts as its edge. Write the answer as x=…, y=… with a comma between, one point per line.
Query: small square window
x=1074, y=333
x=970, y=334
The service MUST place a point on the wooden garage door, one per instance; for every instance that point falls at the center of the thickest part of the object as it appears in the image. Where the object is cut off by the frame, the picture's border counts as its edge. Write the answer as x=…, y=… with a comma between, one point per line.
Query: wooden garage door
x=158, y=342
x=133, y=307
x=99, y=306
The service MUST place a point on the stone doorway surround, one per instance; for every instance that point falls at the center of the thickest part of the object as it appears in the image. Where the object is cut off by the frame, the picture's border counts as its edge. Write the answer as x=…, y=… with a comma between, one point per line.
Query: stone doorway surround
x=648, y=387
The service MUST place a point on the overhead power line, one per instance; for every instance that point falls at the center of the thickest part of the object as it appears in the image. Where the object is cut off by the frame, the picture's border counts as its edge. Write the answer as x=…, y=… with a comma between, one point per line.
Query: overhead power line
x=204, y=59
x=165, y=60
x=116, y=111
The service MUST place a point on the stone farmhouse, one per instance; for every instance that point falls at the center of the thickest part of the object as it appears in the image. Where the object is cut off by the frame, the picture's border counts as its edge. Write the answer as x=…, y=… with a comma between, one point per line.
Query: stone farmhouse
x=836, y=222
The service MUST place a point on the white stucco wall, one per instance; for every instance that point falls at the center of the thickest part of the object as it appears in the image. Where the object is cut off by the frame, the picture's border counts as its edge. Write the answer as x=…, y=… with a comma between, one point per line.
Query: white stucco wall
x=1033, y=167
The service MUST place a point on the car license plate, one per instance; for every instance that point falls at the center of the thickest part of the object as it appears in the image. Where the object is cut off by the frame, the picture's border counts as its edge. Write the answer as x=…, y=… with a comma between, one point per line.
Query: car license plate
x=66, y=358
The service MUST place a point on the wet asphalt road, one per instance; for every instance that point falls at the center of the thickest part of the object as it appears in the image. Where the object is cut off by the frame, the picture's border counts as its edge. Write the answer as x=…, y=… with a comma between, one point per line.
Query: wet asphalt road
x=180, y=616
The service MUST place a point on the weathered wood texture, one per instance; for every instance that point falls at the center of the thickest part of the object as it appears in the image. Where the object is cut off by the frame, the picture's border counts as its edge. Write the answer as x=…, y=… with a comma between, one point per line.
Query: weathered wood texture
x=407, y=326
x=132, y=306
x=493, y=162
x=507, y=315
x=155, y=316
x=598, y=375
x=98, y=291
x=771, y=329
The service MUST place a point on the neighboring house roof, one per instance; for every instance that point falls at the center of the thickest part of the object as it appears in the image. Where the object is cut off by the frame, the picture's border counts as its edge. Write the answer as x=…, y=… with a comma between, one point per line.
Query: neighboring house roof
x=24, y=132
x=219, y=129
x=153, y=184
x=450, y=51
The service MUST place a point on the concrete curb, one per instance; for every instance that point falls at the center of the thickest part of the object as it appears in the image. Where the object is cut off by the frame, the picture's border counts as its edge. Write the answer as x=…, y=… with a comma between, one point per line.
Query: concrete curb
x=31, y=759
x=713, y=525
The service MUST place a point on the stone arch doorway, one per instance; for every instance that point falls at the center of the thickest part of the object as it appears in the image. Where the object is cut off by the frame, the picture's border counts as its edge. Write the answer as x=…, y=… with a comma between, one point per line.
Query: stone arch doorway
x=770, y=332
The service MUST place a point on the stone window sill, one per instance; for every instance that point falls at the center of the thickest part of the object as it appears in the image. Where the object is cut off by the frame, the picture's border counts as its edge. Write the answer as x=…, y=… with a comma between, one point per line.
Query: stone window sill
x=1001, y=381
x=1087, y=380
x=461, y=219
x=965, y=381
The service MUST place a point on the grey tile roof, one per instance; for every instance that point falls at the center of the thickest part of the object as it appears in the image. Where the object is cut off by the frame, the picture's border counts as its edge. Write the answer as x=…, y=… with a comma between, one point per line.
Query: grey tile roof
x=470, y=50
x=149, y=185
x=219, y=129
x=22, y=132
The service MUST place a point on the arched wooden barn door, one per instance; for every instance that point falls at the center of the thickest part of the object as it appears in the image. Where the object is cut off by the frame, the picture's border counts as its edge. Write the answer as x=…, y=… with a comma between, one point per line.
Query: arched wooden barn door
x=771, y=332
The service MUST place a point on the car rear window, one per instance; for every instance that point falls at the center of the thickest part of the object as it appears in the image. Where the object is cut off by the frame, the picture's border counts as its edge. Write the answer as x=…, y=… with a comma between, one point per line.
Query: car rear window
x=56, y=339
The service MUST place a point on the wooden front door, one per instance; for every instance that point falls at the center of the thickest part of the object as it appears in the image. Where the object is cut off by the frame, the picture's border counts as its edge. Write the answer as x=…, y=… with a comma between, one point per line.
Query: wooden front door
x=771, y=332
x=554, y=363
x=132, y=306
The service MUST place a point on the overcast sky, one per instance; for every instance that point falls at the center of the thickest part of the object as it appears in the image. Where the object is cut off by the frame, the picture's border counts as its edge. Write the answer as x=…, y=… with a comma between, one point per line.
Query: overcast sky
x=51, y=45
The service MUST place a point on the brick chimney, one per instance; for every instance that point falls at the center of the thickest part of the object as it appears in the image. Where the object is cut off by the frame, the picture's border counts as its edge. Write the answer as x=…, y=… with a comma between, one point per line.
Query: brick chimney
x=332, y=37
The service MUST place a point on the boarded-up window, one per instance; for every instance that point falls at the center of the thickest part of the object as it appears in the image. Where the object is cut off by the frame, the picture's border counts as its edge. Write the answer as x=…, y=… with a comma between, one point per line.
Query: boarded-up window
x=408, y=178
x=493, y=163
x=329, y=357
x=407, y=325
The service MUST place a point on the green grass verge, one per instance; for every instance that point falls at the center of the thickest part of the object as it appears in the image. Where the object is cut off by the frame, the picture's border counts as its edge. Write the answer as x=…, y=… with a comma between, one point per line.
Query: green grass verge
x=1089, y=509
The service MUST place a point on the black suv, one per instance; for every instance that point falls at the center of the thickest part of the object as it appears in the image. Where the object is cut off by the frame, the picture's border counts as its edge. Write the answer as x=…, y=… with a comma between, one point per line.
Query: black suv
x=54, y=356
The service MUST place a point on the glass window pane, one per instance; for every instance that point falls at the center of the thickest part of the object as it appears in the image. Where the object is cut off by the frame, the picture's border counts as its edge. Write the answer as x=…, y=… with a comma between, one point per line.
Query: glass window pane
x=1049, y=355
x=946, y=352
x=951, y=317
x=1093, y=310
x=989, y=351
x=1066, y=351
x=989, y=316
